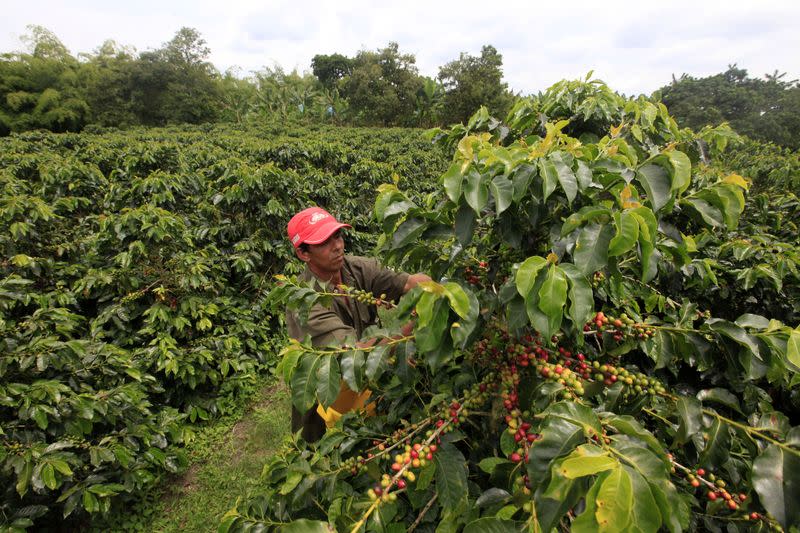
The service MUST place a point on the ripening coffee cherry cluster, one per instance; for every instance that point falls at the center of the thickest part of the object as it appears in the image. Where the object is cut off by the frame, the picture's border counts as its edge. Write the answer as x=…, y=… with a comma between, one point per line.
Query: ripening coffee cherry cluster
x=619, y=328
x=415, y=455
x=355, y=465
x=715, y=490
x=363, y=296
x=407, y=458
x=597, y=279
x=636, y=382
x=476, y=275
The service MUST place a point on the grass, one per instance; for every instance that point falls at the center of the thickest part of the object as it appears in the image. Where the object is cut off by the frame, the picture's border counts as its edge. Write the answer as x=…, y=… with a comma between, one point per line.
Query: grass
x=226, y=461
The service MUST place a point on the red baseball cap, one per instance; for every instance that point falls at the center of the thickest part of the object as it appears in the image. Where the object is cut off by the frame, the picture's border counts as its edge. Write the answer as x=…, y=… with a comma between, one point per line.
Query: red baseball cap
x=312, y=226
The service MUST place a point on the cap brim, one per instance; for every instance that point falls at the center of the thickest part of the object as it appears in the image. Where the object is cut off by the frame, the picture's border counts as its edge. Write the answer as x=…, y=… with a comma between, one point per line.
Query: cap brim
x=323, y=233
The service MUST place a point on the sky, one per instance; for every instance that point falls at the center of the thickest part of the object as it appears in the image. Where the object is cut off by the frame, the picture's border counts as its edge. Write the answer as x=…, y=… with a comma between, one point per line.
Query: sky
x=634, y=46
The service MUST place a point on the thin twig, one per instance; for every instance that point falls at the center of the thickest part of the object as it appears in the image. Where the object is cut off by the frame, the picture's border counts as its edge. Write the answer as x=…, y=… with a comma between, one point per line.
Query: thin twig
x=422, y=514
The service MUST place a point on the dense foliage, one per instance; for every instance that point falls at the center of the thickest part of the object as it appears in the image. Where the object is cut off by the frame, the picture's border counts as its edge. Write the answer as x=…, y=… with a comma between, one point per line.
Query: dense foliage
x=764, y=109
x=114, y=86
x=132, y=281
x=612, y=344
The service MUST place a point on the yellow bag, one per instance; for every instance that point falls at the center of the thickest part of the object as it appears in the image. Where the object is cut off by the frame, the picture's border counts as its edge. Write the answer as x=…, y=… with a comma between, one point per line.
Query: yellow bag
x=346, y=401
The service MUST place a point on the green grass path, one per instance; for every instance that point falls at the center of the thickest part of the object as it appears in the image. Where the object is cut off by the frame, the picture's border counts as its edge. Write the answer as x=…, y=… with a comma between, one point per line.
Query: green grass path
x=224, y=465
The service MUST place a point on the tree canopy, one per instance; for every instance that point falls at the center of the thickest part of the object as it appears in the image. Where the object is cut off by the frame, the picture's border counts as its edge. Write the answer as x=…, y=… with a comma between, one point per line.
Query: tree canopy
x=766, y=109
x=471, y=82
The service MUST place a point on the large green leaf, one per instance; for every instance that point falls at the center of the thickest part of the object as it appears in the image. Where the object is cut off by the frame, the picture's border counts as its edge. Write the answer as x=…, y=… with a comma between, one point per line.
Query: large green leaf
x=425, y=308
x=521, y=180
x=689, y=412
x=578, y=414
x=503, y=191
x=682, y=170
x=716, y=453
x=643, y=460
x=735, y=333
x=459, y=302
x=304, y=386
x=721, y=396
x=675, y=511
x=549, y=177
x=352, y=366
x=646, y=516
x=465, y=223
x=491, y=525
x=328, y=380
x=526, y=275
x=584, y=175
x=468, y=323
x=776, y=479
x=566, y=177
x=710, y=214
x=377, y=361
x=793, y=347
x=488, y=464
x=630, y=426
x=731, y=200
x=590, y=213
x=586, y=522
x=552, y=299
x=453, y=179
x=408, y=232
x=476, y=190
x=580, y=295
x=627, y=234
x=305, y=526
x=656, y=181
x=591, y=248
x=648, y=227
x=492, y=496
x=451, y=476
x=558, y=437
x=615, y=501
x=586, y=460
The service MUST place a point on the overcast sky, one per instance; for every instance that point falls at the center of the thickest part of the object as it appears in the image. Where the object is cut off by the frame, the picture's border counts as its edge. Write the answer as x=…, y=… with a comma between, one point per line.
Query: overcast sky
x=634, y=46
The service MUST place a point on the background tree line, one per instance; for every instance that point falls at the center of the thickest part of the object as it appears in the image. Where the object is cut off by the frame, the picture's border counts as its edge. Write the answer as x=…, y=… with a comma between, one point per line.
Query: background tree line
x=46, y=87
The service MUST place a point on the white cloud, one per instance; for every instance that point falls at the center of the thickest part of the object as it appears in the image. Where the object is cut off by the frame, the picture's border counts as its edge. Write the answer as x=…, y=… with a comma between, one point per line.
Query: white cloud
x=635, y=46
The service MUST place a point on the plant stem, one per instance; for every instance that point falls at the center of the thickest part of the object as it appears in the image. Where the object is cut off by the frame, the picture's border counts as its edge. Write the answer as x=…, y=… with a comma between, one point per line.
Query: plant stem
x=423, y=513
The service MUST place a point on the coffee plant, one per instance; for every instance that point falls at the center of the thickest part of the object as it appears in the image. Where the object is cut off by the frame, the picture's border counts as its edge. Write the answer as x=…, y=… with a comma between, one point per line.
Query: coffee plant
x=133, y=273
x=612, y=343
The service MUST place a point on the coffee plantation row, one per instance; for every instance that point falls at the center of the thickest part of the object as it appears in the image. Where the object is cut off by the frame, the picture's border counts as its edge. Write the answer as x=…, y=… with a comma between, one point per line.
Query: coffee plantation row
x=135, y=267
x=612, y=343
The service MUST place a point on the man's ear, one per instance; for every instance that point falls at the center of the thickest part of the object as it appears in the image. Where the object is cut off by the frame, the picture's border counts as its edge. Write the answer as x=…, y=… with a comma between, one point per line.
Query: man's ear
x=302, y=255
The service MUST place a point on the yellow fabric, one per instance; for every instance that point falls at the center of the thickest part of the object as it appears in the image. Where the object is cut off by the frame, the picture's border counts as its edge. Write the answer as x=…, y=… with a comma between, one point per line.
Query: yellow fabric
x=346, y=401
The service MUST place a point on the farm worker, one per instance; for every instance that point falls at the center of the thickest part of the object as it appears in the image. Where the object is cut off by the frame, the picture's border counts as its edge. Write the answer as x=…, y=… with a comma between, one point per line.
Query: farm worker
x=317, y=239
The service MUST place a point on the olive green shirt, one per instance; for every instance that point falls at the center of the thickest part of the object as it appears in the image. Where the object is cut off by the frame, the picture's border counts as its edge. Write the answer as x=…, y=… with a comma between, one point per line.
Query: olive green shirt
x=346, y=318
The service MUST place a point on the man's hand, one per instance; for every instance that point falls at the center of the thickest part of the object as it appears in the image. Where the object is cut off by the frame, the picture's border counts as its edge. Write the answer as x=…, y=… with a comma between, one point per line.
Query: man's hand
x=414, y=280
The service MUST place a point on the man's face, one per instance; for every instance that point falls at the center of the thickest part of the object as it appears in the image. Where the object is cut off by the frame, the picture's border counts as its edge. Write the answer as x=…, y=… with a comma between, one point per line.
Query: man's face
x=325, y=259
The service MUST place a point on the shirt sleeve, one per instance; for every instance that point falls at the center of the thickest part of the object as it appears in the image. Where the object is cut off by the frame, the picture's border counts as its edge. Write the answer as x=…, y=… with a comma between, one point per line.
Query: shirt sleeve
x=324, y=326
x=381, y=280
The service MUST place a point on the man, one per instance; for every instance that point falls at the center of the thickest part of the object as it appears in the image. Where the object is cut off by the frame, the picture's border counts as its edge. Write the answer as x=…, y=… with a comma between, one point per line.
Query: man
x=317, y=239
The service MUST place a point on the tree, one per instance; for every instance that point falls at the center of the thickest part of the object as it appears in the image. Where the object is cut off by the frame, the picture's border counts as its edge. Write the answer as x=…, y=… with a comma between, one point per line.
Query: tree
x=40, y=88
x=281, y=95
x=382, y=87
x=470, y=82
x=107, y=77
x=429, y=103
x=765, y=109
x=329, y=69
x=176, y=83
x=239, y=96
